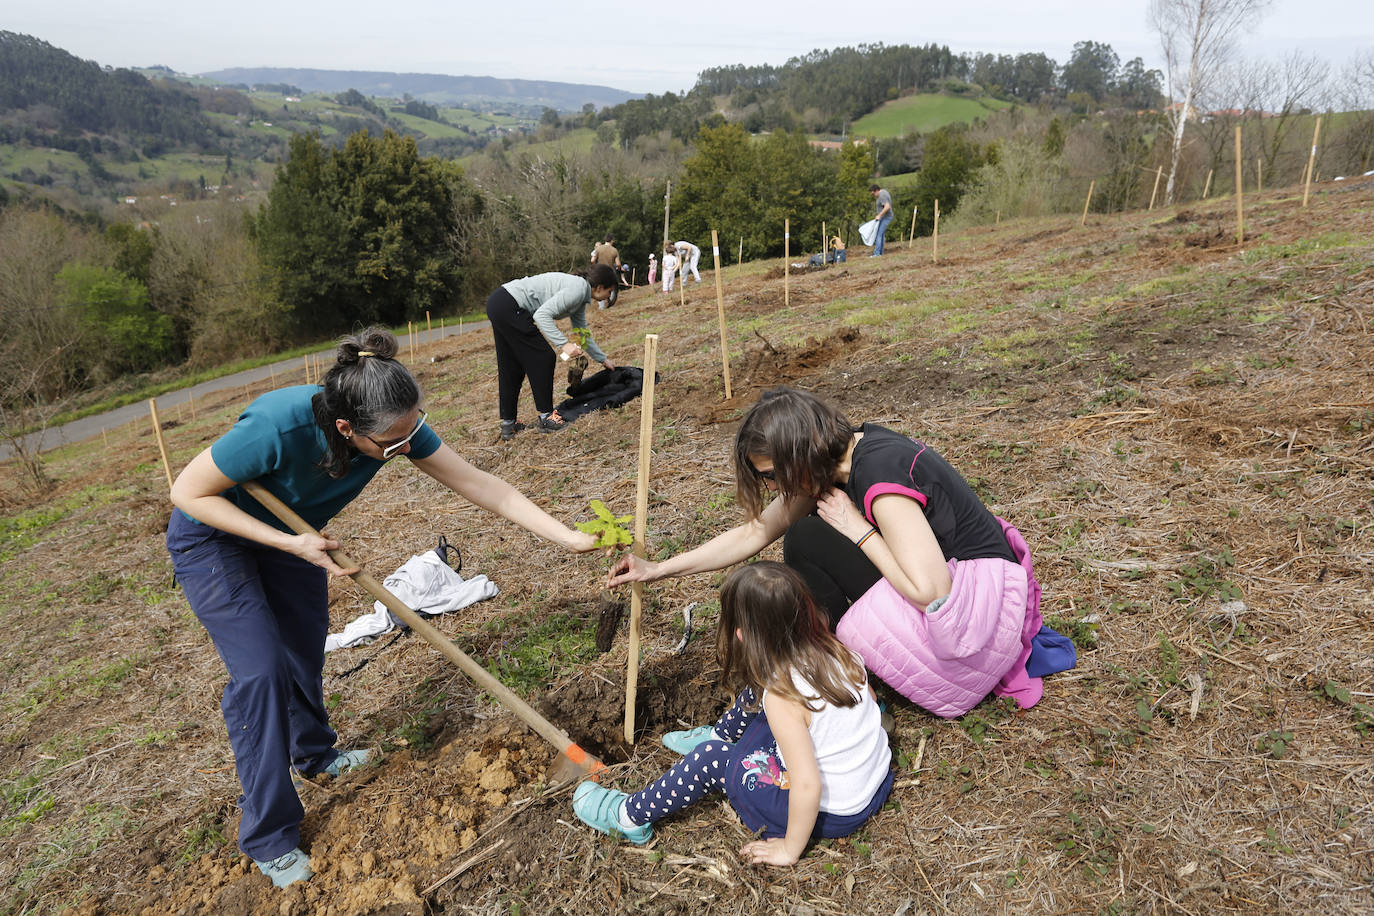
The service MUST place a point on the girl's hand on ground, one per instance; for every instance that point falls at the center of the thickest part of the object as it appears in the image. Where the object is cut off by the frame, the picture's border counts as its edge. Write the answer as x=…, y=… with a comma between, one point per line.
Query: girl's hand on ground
x=314, y=548
x=767, y=852
x=630, y=568
x=841, y=514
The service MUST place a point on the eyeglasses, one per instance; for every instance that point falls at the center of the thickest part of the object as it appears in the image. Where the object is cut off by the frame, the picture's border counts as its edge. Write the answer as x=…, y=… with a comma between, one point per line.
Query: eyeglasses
x=389, y=449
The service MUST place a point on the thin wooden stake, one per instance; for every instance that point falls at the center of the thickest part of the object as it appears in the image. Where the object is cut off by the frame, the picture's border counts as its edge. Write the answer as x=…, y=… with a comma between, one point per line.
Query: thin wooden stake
x=105, y=438
x=1240, y=190
x=634, y=271
x=935, y=235
x=161, y=445
x=273, y=373
x=1311, y=161
x=911, y=236
x=999, y=218
x=682, y=281
x=1091, y=184
x=429, y=327
x=667, y=204
x=410, y=329
x=786, y=261
x=191, y=397
x=740, y=259
x=646, y=442
x=1259, y=174
x=1206, y=188
x=1158, y=173
x=720, y=311
x=825, y=244
x=307, y=368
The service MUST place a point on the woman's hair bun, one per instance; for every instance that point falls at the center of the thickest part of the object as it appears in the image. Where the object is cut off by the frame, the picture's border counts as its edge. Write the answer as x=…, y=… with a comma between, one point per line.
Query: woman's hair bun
x=371, y=342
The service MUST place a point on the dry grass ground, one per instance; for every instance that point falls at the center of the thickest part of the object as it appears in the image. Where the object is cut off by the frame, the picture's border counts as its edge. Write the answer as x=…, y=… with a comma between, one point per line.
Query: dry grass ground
x=1183, y=429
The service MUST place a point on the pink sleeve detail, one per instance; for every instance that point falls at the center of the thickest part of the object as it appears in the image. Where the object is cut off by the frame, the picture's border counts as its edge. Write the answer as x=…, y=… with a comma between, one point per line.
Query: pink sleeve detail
x=879, y=489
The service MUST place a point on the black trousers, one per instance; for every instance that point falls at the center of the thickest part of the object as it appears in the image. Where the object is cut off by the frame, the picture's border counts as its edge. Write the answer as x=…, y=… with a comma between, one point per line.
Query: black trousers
x=521, y=351
x=836, y=571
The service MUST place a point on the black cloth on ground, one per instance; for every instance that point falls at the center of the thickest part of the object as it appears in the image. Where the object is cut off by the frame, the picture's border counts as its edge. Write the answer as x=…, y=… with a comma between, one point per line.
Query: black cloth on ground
x=607, y=388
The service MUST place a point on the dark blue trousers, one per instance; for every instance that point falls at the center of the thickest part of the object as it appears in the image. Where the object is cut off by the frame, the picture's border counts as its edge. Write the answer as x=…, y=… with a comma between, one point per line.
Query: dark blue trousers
x=267, y=613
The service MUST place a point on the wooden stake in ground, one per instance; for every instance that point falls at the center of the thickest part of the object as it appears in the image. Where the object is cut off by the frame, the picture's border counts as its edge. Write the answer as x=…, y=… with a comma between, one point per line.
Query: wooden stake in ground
x=104, y=438
x=633, y=272
x=1311, y=161
x=911, y=236
x=825, y=244
x=786, y=261
x=1259, y=174
x=1091, y=184
x=646, y=442
x=410, y=333
x=935, y=235
x=429, y=327
x=682, y=280
x=161, y=445
x=1240, y=205
x=1154, y=192
x=191, y=398
x=306, y=357
x=740, y=258
x=1206, y=188
x=720, y=311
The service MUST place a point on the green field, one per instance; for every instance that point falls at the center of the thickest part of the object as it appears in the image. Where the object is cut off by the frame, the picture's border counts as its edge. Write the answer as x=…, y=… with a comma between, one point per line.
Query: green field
x=922, y=113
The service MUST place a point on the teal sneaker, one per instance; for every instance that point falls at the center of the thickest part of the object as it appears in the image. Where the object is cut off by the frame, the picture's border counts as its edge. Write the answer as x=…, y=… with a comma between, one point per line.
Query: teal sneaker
x=600, y=808
x=683, y=742
x=287, y=868
x=349, y=760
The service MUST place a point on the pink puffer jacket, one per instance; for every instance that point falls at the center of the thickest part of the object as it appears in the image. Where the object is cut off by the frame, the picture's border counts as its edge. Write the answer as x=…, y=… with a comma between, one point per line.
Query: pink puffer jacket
x=975, y=643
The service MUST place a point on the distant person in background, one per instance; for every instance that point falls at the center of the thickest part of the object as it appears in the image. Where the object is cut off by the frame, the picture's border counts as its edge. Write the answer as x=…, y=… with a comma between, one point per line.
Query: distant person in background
x=884, y=217
x=669, y=268
x=653, y=269
x=687, y=255
x=522, y=314
x=606, y=253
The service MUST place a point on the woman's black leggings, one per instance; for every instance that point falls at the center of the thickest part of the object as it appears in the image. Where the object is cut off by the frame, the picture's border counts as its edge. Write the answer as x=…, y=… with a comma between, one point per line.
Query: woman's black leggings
x=521, y=351
x=836, y=571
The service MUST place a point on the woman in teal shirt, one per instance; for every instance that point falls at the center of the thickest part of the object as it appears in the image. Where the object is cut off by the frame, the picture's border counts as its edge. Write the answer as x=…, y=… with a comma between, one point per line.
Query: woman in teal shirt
x=261, y=591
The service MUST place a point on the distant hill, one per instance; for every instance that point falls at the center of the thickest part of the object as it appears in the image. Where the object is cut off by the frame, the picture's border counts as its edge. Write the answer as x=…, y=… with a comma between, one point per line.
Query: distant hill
x=924, y=112
x=435, y=88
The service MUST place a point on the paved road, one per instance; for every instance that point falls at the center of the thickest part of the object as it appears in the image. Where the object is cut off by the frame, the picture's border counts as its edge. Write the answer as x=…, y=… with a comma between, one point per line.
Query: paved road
x=86, y=427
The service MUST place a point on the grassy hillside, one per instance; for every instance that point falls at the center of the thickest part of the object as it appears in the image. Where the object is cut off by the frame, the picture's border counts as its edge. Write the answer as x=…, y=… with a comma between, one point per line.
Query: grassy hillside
x=922, y=113
x=1181, y=428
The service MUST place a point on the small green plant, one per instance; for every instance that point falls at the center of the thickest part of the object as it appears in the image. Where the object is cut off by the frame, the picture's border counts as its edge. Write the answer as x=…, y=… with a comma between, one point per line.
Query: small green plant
x=1275, y=744
x=609, y=529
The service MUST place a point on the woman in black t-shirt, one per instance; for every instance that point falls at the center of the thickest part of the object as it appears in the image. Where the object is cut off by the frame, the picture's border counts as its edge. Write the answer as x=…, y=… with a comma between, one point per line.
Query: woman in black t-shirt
x=857, y=504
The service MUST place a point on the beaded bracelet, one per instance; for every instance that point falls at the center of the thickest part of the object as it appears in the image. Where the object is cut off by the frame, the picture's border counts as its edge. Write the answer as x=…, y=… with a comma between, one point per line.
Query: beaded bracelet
x=860, y=541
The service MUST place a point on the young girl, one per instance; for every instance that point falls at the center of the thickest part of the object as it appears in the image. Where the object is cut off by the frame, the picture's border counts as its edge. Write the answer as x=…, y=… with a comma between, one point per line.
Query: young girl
x=801, y=753
x=669, y=270
x=917, y=575
x=653, y=270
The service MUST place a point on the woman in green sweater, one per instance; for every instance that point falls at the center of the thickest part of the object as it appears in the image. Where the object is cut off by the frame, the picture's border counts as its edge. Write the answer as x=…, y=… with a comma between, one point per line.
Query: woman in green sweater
x=522, y=314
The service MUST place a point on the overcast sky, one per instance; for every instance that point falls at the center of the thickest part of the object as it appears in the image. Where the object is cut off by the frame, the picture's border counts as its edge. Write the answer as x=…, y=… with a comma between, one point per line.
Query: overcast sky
x=639, y=47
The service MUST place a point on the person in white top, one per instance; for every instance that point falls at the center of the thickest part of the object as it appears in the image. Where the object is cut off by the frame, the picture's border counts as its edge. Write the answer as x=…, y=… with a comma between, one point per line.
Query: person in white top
x=687, y=255
x=801, y=753
x=669, y=269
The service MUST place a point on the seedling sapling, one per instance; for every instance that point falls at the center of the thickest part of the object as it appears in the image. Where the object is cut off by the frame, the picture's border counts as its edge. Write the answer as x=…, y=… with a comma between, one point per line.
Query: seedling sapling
x=609, y=529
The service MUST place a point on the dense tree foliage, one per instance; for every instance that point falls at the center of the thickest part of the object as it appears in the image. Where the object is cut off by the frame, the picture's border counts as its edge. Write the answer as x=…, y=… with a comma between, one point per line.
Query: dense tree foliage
x=359, y=234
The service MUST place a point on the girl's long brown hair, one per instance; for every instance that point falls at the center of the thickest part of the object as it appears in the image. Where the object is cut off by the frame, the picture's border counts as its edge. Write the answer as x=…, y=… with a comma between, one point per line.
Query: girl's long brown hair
x=806, y=439
x=780, y=630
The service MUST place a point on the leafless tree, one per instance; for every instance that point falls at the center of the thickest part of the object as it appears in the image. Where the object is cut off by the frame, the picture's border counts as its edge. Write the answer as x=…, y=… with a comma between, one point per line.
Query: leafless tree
x=1197, y=37
x=1269, y=98
x=1356, y=96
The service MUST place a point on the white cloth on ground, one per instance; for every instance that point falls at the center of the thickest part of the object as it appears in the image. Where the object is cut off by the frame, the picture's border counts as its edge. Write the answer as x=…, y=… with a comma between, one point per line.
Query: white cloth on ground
x=424, y=583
